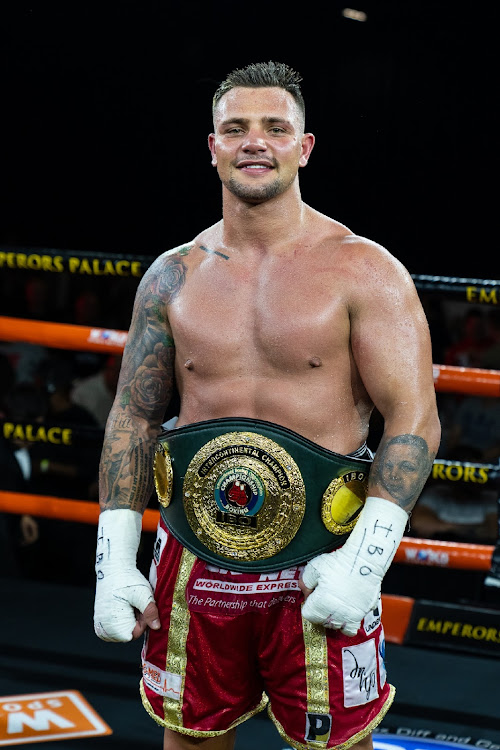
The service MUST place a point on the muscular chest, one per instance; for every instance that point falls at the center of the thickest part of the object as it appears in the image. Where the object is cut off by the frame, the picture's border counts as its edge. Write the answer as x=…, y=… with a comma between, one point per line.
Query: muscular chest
x=276, y=313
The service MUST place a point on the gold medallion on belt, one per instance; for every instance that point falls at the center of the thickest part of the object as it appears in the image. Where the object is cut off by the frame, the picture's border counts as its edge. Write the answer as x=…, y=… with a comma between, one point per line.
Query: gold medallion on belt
x=163, y=474
x=244, y=496
x=342, y=501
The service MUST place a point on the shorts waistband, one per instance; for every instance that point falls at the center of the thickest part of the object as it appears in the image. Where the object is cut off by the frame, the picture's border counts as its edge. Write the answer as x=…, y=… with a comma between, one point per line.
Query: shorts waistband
x=252, y=495
x=362, y=452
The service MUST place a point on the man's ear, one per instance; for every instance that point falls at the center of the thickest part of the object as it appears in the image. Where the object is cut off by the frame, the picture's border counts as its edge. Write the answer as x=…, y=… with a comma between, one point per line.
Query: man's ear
x=308, y=141
x=211, y=146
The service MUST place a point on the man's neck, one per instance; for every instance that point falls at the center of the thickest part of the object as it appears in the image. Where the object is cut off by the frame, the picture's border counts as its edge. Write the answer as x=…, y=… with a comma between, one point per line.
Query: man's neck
x=270, y=224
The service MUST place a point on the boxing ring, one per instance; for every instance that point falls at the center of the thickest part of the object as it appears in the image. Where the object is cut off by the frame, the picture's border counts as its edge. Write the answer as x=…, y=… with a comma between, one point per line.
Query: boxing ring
x=408, y=622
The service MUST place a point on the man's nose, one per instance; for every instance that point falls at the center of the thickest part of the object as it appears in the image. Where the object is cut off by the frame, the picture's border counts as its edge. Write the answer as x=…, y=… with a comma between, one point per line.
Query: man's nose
x=254, y=142
x=395, y=475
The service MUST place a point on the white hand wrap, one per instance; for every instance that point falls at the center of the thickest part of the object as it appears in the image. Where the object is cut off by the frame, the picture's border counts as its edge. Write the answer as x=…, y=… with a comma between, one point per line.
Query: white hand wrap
x=347, y=582
x=120, y=586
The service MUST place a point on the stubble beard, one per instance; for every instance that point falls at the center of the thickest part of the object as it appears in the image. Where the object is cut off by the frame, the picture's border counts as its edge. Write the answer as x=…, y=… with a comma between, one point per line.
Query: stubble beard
x=254, y=193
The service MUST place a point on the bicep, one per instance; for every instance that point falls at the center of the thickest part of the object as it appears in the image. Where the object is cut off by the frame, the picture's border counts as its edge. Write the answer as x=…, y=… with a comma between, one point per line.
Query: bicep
x=146, y=379
x=392, y=349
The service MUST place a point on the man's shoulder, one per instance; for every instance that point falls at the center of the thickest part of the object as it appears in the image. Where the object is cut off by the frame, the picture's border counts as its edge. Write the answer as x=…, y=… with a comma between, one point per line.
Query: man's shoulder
x=375, y=260
x=186, y=249
x=178, y=251
x=359, y=254
x=366, y=248
x=363, y=267
x=169, y=259
x=357, y=247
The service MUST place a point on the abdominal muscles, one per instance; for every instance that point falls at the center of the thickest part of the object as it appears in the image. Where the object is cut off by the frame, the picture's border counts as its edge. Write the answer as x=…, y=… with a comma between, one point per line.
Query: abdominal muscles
x=309, y=405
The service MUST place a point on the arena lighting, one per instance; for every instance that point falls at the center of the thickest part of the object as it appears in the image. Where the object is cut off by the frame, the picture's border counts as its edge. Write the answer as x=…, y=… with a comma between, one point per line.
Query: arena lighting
x=354, y=15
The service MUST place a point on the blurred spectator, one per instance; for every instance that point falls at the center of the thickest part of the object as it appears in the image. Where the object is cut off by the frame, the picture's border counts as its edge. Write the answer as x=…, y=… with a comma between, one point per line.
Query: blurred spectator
x=456, y=514
x=120, y=302
x=11, y=291
x=25, y=359
x=7, y=380
x=66, y=469
x=88, y=309
x=472, y=341
x=61, y=465
x=457, y=511
x=440, y=333
x=39, y=300
x=490, y=358
x=96, y=392
x=24, y=404
x=475, y=427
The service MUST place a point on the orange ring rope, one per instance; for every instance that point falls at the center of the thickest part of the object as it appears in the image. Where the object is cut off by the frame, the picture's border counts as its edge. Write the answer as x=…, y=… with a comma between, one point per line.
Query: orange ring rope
x=457, y=555
x=411, y=551
x=62, y=508
x=62, y=335
x=468, y=380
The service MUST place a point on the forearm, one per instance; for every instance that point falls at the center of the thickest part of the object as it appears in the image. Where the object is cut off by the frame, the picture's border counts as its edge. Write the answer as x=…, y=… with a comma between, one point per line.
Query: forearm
x=126, y=466
x=403, y=460
x=125, y=486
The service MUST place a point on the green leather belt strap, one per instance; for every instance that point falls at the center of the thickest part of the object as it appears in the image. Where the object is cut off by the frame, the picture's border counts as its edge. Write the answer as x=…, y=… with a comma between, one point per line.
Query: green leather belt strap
x=250, y=495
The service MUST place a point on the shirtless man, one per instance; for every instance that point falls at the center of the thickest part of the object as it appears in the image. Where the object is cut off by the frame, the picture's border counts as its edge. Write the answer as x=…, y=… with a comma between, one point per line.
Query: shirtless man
x=275, y=315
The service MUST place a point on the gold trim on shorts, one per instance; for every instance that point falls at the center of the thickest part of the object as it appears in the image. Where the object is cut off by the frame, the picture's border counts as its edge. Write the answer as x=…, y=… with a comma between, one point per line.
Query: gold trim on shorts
x=176, y=660
x=344, y=745
x=318, y=690
x=316, y=657
x=196, y=732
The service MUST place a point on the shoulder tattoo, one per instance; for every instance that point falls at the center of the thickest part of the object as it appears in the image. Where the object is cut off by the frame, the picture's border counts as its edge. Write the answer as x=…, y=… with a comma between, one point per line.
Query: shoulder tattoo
x=171, y=279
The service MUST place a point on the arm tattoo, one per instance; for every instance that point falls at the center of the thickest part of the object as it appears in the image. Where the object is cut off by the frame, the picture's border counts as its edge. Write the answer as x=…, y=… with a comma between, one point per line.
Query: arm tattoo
x=142, y=484
x=144, y=390
x=401, y=466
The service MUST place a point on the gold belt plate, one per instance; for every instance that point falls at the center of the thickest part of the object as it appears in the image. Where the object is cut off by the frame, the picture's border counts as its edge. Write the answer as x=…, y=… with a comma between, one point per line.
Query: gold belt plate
x=244, y=496
x=163, y=474
x=342, y=500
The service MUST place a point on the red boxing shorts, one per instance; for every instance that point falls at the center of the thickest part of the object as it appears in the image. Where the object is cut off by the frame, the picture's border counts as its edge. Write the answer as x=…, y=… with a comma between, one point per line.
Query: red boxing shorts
x=231, y=644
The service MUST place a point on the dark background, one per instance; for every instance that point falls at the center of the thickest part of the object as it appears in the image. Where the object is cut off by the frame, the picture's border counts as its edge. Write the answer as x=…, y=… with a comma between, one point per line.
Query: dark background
x=106, y=108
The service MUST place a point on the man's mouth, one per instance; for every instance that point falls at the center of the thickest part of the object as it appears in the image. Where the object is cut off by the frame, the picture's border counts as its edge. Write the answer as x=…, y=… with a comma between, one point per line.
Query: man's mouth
x=255, y=165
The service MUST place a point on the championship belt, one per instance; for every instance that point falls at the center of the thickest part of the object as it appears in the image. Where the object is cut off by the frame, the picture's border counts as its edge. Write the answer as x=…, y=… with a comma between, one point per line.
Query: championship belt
x=250, y=495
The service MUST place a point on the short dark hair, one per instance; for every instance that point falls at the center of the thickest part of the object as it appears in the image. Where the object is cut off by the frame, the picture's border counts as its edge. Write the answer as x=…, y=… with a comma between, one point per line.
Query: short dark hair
x=263, y=75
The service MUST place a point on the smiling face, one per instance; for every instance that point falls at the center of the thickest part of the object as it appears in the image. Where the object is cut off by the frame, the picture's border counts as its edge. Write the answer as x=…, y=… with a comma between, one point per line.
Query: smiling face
x=259, y=142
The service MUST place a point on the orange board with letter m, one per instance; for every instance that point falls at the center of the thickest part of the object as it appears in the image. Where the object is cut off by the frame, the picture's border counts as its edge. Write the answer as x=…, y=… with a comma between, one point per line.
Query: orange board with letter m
x=48, y=716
